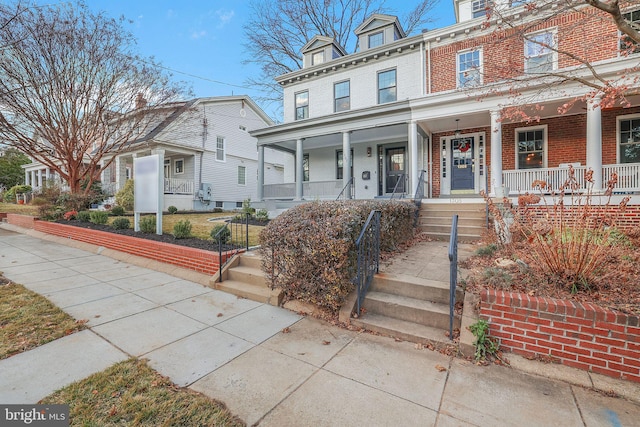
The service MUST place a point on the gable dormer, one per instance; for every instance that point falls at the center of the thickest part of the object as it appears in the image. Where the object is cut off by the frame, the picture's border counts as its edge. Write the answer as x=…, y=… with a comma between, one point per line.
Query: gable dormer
x=378, y=30
x=319, y=50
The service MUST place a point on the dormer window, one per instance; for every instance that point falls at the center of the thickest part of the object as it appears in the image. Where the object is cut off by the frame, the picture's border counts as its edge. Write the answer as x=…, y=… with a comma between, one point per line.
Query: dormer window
x=376, y=39
x=317, y=58
x=479, y=8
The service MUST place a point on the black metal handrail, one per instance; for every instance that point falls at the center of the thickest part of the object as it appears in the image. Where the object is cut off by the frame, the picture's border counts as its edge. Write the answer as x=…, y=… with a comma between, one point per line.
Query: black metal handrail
x=231, y=239
x=368, y=253
x=417, y=198
x=348, y=184
x=401, y=179
x=453, y=270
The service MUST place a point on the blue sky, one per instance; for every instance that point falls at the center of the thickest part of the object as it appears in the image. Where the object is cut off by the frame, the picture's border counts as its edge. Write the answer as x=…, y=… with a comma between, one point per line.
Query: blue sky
x=204, y=38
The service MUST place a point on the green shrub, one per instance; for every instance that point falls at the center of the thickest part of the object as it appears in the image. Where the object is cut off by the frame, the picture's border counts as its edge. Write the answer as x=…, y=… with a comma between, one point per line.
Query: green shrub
x=487, y=250
x=262, y=215
x=121, y=223
x=172, y=210
x=309, y=250
x=117, y=210
x=99, y=217
x=124, y=197
x=75, y=202
x=148, y=224
x=10, y=194
x=485, y=346
x=217, y=210
x=182, y=229
x=224, y=236
x=84, y=216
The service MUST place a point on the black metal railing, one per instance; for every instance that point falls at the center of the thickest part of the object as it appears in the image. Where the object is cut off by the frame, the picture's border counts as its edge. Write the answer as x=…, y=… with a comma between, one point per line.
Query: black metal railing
x=351, y=188
x=368, y=253
x=417, y=198
x=402, y=178
x=453, y=271
x=231, y=239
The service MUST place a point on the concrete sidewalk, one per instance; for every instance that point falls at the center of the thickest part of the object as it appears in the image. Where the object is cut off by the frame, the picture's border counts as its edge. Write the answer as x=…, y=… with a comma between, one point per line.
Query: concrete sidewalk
x=238, y=351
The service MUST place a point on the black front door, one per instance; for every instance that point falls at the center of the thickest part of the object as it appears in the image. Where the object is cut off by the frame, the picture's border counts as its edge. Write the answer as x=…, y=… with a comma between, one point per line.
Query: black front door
x=396, y=164
x=462, y=168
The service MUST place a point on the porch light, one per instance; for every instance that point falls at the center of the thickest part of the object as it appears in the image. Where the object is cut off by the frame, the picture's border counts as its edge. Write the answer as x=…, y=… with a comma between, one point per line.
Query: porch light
x=458, y=133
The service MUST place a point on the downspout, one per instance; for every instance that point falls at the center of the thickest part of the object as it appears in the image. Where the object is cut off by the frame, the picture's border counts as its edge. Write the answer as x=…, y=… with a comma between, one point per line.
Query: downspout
x=424, y=68
x=429, y=67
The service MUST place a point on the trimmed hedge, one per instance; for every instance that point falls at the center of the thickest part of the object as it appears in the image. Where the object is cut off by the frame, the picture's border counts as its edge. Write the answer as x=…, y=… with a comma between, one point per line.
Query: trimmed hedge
x=309, y=250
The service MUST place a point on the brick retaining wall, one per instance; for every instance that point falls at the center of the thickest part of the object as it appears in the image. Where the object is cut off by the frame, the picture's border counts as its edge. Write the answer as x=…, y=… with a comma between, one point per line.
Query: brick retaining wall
x=575, y=334
x=24, y=221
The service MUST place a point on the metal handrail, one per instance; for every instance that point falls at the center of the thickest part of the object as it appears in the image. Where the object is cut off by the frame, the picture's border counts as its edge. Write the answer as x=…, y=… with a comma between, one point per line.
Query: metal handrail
x=453, y=270
x=234, y=242
x=368, y=256
x=417, y=198
x=402, y=179
x=350, y=183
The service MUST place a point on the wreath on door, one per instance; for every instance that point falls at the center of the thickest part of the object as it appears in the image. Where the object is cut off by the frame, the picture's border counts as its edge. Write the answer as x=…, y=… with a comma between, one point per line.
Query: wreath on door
x=464, y=146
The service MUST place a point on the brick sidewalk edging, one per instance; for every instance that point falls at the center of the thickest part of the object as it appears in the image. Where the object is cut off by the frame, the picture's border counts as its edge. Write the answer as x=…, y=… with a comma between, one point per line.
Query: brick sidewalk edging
x=190, y=258
x=579, y=335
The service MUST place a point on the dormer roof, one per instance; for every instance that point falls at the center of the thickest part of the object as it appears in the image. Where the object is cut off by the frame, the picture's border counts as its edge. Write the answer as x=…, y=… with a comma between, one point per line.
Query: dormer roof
x=320, y=42
x=377, y=21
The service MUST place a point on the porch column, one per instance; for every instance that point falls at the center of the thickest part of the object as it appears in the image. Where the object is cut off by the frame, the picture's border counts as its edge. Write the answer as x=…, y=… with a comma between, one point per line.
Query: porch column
x=47, y=173
x=594, y=141
x=34, y=183
x=346, y=163
x=496, y=153
x=299, y=171
x=413, y=158
x=118, y=172
x=261, y=173
x=27, y=178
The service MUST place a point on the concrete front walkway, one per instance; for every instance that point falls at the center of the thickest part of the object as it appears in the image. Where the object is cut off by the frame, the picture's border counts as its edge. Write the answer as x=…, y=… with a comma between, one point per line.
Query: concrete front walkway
x=270, y=366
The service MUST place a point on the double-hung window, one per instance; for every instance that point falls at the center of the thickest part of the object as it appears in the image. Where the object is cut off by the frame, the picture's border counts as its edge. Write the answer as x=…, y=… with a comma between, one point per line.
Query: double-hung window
x=530, y=146
x=539, y=54
x=629, y=151
x=627, y=45
x=479, y=8
x=317, y=58
x=305, y=168
x=387, y=90
x=342, y=97
x=220, y=149
x=179, y=166
x=302, y=105
x=340, y=164
x=469, y=68
x=376, y=39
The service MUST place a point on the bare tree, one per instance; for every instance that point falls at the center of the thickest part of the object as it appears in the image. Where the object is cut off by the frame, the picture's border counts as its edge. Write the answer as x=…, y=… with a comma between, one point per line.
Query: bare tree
x=280, y=28
x=73, y=92
x=592, y=32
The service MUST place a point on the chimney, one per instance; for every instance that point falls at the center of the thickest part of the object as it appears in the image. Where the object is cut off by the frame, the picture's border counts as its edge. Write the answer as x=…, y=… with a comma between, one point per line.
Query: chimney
x=140, y=101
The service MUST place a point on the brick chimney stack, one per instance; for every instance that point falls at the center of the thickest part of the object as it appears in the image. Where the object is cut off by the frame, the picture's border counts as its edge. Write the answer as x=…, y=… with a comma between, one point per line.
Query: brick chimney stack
x=140, y=101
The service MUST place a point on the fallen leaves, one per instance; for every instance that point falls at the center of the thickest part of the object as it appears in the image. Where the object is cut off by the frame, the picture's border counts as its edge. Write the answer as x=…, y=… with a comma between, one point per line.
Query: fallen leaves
x=441, y=368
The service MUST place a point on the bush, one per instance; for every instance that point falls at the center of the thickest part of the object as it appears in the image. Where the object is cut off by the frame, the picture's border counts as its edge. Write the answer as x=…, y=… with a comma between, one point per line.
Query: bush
x=78, y=202
x=309, y=250
x=224, y=236
x=121, y=223
x=247, y=209
x=182, y=229
x=117, y=211
x=148, y=224
x=217, y=210
x=124, y=197
x=84, y=216
x=172, y=210
x=262, y=215
x=98, y=217
x=10, y=194
x=70, y=215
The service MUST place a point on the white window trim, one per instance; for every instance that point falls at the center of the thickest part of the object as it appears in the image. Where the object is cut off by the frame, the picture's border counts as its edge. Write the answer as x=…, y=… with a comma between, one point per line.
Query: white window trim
x=295, y=105
x=623, y=12
x=554, y=52
x=480, y=67
x=313, y=57
x=245, y=176
x=545, y=137
x=375, y=34
x=378, y=85
x=618, y=141
x=224, y=149
x=334, y=95
x=175, y=166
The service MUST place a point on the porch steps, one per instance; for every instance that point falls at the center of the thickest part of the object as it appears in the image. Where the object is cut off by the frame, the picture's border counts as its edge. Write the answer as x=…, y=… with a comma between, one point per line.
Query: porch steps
x=435, y=220
x=408, y=308
x=243, y=277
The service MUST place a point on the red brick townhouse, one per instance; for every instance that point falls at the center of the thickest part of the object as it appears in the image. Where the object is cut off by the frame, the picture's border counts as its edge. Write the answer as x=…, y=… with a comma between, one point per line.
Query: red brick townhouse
x=443, y=102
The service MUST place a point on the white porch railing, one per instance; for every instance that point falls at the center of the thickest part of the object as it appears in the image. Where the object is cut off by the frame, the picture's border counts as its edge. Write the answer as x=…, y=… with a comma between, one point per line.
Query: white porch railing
x=178, y=186
x=310, y=190
x=521, y=181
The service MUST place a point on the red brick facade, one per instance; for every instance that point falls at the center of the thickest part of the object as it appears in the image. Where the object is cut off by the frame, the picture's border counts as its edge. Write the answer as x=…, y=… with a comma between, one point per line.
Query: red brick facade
x=579, y=335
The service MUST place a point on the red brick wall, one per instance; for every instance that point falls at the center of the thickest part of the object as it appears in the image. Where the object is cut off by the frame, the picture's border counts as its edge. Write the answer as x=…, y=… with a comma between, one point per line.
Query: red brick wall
x=575, y=334
x=193, y=259
x=24, y=221
x=3, y=215
x=628, y=219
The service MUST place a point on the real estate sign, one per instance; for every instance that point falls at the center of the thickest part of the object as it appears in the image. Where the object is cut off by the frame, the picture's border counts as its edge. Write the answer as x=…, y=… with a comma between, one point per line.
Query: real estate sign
x=148, y=189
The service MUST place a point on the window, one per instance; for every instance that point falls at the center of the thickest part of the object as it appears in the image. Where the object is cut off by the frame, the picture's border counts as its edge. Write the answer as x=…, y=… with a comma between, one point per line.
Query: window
x=629, y=140
x=242, y=175
x=469, y=67
x=387, y=86
x=220, y=149
x=238, y=204
x=342, y=99
x=340, y=164
x=539, y=56
x=376, y=39
x=317, y=58
x=305, y=167
x=302, y=105
x=530, y=148
x=218, y=204
x=479, y=8
x=627, y=45
x=179, y=166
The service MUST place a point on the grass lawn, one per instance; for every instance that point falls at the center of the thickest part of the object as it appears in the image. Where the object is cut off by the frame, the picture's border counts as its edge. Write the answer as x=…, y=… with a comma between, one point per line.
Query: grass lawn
x=28, y=320
x=131, y=393
x=18, y=209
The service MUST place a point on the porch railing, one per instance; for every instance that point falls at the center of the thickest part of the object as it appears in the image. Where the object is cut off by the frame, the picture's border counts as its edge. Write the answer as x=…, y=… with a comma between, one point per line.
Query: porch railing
x=352, y=190
x=232, y=239
x=453, y=271
x=417, y=198
x=368, y=256
x=178, y=186
x=400, y=187
x=311, y=189
x=628, y=176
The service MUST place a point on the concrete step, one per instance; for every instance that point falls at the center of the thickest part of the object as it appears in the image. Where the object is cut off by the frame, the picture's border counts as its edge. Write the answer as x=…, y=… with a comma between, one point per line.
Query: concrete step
x=249, y=291
x=411, y=287
x=462, y=237
x=251, y=260
x=474, y=230
x=408, y=309
x=250, y=275
x=407, y=331
x=428, y=220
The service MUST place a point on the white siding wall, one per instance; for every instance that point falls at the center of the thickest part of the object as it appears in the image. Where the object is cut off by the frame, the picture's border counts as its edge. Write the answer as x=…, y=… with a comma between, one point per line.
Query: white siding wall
x=364, y=84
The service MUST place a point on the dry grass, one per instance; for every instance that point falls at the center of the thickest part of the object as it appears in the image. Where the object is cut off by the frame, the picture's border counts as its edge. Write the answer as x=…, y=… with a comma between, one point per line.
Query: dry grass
x=18, y=209
x=28, y=320
x=130, y=393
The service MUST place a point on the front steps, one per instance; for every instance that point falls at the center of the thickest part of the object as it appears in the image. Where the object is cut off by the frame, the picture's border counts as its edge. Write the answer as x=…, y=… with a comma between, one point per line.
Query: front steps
x=408, y=308
x=243, y=277
x=435, y=220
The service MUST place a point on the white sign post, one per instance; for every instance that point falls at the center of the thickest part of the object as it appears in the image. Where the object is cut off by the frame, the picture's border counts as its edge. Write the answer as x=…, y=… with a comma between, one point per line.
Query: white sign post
x=148, y=188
